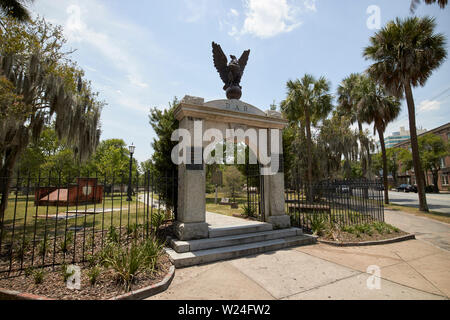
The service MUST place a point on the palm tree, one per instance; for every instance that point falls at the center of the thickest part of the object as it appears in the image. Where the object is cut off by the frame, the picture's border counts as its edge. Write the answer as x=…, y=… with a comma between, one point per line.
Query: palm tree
x=380, y=109
x=15, y=9
x=405, y=53
x=415, y=3
x=308, y=101
x=348, y=106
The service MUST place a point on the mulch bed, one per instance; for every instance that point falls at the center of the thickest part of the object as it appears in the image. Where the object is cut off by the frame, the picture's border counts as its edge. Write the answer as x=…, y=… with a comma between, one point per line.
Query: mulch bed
x=53, y=286
x=106, y=287
x=345, y=237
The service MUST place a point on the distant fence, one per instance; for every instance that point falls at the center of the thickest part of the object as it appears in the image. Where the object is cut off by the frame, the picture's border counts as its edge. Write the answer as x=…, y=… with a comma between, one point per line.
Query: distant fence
x=52, y=218
x=345, y=202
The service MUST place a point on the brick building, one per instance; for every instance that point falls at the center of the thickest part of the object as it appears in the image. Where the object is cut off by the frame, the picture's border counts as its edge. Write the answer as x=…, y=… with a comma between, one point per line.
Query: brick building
x=444, y=174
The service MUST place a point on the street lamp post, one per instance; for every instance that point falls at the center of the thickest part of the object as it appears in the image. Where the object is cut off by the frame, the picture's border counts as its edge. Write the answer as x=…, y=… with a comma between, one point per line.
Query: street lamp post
x=131, y=149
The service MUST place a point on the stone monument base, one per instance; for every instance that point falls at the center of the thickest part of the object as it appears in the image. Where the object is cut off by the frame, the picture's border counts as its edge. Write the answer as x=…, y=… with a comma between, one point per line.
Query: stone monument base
x=191, y=231
x=280, y=222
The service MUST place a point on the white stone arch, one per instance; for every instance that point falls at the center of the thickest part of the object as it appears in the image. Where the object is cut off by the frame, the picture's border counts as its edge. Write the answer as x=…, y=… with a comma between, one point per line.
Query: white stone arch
x=222, y=115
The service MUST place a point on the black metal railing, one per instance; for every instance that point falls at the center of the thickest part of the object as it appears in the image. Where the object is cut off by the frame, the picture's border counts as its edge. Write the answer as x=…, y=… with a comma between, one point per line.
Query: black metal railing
x=53, y=218
x=255, y=193
x=345, y=202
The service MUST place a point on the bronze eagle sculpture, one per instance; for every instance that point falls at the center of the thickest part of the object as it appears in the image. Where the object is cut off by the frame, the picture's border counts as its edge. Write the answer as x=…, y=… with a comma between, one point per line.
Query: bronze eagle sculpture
x=230, y=73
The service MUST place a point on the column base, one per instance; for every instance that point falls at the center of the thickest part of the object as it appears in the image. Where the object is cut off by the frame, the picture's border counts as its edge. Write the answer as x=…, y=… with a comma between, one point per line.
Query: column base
x=280, y=222
x=191, y=231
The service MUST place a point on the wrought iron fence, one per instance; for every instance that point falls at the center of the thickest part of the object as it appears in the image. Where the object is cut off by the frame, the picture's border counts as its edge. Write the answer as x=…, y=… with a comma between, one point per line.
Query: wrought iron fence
x=255, y=193
x=52, y=218
x=345, y=202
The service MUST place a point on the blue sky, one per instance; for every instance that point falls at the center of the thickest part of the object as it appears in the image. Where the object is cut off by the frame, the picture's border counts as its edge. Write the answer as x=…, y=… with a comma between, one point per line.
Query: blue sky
x=140, y=54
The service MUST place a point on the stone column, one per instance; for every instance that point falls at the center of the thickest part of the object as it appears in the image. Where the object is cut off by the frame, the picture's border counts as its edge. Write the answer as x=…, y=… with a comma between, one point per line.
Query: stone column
x=277, y=209
x=191, y=223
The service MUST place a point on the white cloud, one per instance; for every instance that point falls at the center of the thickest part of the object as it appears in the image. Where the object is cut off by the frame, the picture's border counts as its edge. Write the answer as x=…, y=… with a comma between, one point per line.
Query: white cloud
x=268, y=18
x=234, y=12
x=196, y=10
x=428, y=105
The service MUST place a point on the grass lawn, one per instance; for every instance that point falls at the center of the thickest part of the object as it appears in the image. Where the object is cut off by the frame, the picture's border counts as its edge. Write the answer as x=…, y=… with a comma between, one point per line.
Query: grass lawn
x=23, y=216
x=438, y=216
x=241, y=199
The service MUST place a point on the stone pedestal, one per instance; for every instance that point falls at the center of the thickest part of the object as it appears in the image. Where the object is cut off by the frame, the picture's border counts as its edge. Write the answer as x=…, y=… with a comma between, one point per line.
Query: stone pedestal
x=191, y=231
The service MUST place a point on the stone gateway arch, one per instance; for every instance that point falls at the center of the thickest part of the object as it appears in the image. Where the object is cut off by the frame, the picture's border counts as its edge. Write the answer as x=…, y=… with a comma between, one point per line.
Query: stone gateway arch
x=221, y=116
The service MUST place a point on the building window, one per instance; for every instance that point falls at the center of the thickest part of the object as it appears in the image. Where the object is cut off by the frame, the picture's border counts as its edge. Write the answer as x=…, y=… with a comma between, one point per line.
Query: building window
x=443, y=163
x=445, y=179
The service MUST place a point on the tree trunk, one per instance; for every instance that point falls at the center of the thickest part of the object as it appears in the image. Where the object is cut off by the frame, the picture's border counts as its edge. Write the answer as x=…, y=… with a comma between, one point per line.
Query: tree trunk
x=415, y=149
x=435, y=174
x=6, y=175
x=364, y=164
x=385, y=166
x=309, y=153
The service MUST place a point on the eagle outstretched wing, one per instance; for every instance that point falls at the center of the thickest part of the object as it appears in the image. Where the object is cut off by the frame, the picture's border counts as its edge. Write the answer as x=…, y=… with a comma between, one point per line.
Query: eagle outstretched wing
x=243, y=62
x=220, y=62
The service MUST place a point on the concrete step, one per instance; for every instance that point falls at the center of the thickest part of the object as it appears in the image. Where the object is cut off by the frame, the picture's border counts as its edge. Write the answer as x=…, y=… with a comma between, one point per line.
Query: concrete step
x=211, y=243
x=187, y=259
x=235, y=230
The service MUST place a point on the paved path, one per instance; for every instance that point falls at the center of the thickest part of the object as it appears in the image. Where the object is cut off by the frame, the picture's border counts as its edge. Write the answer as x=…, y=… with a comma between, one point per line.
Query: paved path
x=216, y=220
x=432, y=231
x=436, y=202
x=409, y=270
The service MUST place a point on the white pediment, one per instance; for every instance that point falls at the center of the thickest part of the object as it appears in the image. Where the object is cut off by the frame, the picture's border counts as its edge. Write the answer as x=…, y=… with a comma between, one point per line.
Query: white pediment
x=236, y=106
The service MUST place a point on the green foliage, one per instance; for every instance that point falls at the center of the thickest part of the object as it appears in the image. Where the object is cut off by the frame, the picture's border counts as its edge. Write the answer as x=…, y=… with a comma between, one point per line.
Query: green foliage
x=65, y=272
x=15, y=9
x=158, y=218
x=94, y=274
x=152, y=250
x=164, y=124
x=29, y=272
x=233, y=180
x=128, y=262
x=318, y=224
x=66, y=243
x=46, y=86
x=112, y=235
x=249, y=211
x=38, y=276
x=307, y=103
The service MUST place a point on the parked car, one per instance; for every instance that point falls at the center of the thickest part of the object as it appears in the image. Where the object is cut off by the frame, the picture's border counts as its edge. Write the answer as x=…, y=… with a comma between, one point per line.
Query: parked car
x=406, y=188
x=343, y=189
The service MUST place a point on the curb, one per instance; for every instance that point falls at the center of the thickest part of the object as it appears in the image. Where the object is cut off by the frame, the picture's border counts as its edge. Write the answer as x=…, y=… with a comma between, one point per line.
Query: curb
x=369, y=243
x=140, y=294
x=151, y=290
x=9, y=295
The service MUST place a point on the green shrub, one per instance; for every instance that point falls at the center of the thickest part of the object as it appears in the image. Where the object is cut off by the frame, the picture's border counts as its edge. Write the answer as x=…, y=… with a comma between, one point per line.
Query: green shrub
x=249, y=211
x=93, y=274
x=152, y=250
x=133, y=230
x=127, y=263
x=29, y=272
x=318, y=224
x=38, y=276
x=158, y=219
x=65, y=273
x=67, y=242
x=112, y=235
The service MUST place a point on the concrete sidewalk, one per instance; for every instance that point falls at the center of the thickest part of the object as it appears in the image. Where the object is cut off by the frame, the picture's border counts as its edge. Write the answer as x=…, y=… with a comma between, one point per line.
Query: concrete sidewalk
x=409, y=270
x=432, y=231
